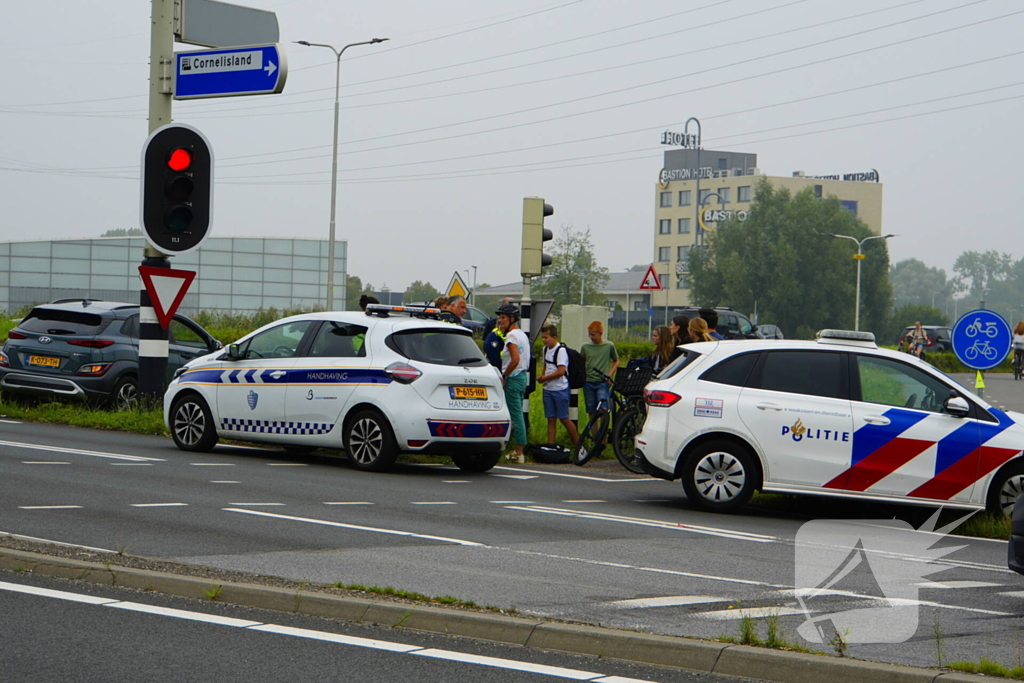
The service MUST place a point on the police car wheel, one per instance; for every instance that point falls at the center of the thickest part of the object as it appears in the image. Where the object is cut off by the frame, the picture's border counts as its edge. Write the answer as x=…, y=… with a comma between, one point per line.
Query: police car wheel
x=719, y=476
x=1006, y=487
x=369, y=442
x=476, y=462
x=192, y=424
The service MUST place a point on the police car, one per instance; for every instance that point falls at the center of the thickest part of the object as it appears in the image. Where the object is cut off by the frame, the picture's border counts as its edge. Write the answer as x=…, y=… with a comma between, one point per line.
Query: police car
x=394, y=379
x=837, y=417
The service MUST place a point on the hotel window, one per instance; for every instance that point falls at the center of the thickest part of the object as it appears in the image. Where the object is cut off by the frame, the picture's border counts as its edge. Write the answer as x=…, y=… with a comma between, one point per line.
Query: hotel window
x=726, y=195
x=684, y=226
x=681, y=283
x=817, y=191
x=684, y=197
x=722, y=164
x=702, y=198
x=666, y=199
x=664, y=253
x=682, y=254
x=743, y=193
x=665, y=226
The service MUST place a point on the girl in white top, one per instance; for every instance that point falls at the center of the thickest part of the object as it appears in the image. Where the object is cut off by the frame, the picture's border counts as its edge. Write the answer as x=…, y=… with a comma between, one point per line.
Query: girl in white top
x=515, y=365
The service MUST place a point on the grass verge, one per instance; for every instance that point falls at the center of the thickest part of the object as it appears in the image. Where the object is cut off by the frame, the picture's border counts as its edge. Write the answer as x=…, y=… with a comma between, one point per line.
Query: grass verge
x=419, y=597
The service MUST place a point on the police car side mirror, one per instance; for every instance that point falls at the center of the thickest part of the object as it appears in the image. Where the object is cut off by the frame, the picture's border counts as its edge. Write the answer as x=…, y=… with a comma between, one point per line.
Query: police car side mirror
x=956, y=405
x=233, y=353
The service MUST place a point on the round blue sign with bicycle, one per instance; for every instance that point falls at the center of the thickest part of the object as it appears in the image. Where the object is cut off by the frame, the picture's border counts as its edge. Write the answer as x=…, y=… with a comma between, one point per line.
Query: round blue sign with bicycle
x=982, y=339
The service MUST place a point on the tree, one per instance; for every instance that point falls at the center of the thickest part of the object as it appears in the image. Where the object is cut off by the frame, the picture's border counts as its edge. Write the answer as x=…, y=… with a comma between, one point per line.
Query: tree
x=639, y=268
x=123, y=232
x=573, y=267
x=353, y=290
x=913, y=282
x=909, y=314
x=418, y=292
x=783, y=260
x=978, y=273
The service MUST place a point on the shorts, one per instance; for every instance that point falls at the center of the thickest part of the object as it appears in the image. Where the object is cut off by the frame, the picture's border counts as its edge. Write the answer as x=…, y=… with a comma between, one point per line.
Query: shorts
x=556, y=403
x=593, y=392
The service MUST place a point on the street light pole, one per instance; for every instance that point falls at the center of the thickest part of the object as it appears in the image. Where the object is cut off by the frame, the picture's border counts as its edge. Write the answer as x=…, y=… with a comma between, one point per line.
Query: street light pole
x=860, y=257
x=472, y=295
x=334, y=157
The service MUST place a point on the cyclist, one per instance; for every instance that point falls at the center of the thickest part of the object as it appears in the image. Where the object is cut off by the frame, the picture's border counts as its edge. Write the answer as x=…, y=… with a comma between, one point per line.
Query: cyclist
x=599, y=355
x=918, y=339
x=1018, y=343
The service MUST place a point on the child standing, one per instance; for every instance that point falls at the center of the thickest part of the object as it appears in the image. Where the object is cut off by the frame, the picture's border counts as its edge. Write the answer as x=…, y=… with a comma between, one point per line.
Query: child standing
x=556, y=384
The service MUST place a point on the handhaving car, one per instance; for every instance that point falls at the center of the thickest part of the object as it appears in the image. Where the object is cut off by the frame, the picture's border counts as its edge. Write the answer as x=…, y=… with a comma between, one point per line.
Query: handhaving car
x=391, y=380
x=938, y=338
x=834, y=417
x=85, y=349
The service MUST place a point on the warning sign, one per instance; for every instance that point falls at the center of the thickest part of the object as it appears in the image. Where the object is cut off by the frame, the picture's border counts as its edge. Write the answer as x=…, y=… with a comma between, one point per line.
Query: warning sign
x=651, y=279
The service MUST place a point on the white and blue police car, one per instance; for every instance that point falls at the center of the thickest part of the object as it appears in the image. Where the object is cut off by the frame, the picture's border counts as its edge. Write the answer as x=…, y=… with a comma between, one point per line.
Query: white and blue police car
x=391, y=380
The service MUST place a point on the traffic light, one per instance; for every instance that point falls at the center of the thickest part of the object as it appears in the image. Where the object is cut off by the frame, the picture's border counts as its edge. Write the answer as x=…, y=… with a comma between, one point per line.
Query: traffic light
x=177, y=188
x=535, y=235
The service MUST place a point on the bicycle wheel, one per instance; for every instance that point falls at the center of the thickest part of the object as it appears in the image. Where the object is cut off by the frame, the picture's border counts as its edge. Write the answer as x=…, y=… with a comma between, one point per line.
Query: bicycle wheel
x=590, y=442
x=627, y=426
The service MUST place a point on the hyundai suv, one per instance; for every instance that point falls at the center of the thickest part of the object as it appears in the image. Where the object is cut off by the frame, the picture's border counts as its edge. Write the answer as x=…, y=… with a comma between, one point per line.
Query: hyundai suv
x=393, y=379
x=835, y=417
x=81, y=349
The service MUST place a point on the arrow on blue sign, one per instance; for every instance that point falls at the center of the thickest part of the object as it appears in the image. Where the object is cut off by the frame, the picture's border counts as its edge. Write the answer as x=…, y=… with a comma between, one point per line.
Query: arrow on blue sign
x=252, y=70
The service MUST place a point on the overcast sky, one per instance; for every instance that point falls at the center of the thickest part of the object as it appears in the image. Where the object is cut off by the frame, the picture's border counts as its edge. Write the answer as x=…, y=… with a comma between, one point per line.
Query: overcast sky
x=473, y=105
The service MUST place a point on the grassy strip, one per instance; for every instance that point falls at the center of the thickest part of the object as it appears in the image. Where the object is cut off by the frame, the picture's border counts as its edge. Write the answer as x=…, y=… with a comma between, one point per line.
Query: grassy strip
x=988, y=668
x=419, y=597
x=131, y=420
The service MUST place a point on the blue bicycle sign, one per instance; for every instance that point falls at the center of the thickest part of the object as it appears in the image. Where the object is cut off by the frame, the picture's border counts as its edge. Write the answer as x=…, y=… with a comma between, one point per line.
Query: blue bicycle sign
x=981, y=339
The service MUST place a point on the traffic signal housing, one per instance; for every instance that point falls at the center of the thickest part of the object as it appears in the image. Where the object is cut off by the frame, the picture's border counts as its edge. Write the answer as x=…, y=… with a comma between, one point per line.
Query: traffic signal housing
x=177, y=188
x=535, y=210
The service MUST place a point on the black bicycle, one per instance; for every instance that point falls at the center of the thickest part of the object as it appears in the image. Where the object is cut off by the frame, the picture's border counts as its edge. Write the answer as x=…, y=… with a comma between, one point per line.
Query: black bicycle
x=1018, y=364
x=623, y=416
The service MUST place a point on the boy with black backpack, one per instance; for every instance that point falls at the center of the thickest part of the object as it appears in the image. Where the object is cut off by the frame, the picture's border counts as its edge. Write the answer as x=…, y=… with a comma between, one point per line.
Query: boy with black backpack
x=557, y=364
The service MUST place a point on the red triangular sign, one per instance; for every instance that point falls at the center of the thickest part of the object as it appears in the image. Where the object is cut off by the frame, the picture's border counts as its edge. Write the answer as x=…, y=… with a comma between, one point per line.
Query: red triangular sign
x=167, y=288
x=651, y=279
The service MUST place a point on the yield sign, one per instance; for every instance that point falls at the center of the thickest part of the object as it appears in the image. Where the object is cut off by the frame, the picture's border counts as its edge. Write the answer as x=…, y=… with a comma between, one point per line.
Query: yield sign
x=166, y=288
x=651, y=279
x=458, y=286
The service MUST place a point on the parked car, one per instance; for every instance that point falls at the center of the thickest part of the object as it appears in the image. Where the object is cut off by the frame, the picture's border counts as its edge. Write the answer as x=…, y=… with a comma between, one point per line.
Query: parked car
x=770, y=332
x=938, y=338
x=731, y=325
x=835, y=417
x=379, y=383
x=81, y=349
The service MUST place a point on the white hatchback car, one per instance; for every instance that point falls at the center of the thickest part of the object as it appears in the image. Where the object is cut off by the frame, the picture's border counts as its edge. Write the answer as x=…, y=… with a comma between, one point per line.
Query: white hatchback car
x=391, y=380
x=837, y=416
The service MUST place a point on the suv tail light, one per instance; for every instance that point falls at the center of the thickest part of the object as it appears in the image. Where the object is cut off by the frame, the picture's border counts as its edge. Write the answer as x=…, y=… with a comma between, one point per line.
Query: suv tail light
x=661, y=399
x=91, y=343
x=94, y=369
x=14, y=334
x=403, y=372
x=4, y=363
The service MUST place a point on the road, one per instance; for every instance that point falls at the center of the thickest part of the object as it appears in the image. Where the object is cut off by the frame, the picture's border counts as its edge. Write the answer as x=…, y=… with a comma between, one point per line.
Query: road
x=58, y=630
x=554, y=541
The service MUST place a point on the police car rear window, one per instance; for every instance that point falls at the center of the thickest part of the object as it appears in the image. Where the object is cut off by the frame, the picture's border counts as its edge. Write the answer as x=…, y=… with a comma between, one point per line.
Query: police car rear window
x=58, y=321
x=438, y=347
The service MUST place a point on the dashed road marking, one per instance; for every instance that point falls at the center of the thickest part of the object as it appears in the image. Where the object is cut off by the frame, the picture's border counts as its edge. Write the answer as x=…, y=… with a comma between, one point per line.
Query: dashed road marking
x=44, y=462
x=434, y=502
x=253, y=505
x=287, y=464
x=584, y=500
x=521, y=477
x=456, y=481
x=49, y=507
x=1013, y=594
x=158, y=505
x=212, y=464
x=223, y=481
x=10, y=422
x=76, y=451
x=349, y=502
x=956, y=584
x=512, y=502
x=131, y=464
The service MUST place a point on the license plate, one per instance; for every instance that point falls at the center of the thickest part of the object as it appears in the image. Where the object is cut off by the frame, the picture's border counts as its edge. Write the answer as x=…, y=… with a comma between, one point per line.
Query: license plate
x=469, y=393
x=44, y=360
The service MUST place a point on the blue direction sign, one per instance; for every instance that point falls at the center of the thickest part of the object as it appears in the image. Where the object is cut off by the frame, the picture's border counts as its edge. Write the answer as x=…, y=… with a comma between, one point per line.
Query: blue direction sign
x=981, y=339
x=252, y=70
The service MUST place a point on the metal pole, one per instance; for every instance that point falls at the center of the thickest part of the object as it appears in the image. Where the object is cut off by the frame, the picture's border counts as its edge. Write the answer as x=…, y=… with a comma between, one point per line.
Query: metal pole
x=472, y=295
x=334, y=187
x=856, y=318
x=524, y=320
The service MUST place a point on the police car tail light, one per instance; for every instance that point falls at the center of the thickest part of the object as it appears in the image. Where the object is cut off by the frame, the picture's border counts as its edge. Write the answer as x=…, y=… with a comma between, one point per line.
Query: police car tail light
x=16, y=335
x=91, y=343
x=661, y=399
x=403, y=372
x=94, y=369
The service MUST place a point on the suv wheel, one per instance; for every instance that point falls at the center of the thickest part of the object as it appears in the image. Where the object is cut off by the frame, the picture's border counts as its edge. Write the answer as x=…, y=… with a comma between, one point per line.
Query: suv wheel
x=192, y=424
x=719, y=476
x=125, y=394
x=369, y=442
x=476, y=462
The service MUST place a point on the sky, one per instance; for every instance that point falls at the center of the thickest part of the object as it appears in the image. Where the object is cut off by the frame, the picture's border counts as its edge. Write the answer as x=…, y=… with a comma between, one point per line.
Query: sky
x=471, y=106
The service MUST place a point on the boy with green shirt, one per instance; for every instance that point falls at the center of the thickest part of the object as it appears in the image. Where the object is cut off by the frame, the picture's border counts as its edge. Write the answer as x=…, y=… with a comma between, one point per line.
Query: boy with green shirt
x=600, y=355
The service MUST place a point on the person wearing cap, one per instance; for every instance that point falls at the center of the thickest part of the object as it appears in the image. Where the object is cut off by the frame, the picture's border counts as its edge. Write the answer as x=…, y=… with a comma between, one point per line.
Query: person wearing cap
x=515, y=367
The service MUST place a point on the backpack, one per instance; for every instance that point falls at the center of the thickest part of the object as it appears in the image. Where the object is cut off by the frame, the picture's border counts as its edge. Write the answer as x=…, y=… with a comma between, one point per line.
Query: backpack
x=576, y=372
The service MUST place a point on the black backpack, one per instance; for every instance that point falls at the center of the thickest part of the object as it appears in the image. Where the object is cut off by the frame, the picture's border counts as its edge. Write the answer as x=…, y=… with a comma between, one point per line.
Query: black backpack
x=576, y=373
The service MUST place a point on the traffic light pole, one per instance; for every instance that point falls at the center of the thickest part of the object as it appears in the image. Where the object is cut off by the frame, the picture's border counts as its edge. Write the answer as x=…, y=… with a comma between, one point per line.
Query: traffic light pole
x=524, y=325
x=153, y=338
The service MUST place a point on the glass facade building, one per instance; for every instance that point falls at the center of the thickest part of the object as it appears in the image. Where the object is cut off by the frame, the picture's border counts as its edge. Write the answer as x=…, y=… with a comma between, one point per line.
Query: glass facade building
x=234, y=274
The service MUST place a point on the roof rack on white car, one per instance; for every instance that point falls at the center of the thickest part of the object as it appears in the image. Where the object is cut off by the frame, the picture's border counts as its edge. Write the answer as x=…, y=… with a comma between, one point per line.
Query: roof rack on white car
x=383, y=310
x=851, y=337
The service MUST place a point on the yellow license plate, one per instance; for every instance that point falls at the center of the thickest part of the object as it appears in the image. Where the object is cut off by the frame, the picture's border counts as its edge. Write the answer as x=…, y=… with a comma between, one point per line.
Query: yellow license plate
x=44, y=360
x=469, y=393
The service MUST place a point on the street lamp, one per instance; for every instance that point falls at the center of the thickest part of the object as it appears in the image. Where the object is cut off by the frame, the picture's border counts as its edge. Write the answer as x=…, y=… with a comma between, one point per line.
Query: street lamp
x=860, y=257
x=334, y=158
x=472, y=294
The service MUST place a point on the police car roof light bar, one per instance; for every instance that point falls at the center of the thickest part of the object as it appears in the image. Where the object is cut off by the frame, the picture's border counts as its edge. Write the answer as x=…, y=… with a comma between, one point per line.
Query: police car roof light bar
x=846, y=336
x=383, y=310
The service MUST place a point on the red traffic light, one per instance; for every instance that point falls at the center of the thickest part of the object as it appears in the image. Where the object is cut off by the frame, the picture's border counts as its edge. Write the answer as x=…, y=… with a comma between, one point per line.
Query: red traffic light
x=179, y=159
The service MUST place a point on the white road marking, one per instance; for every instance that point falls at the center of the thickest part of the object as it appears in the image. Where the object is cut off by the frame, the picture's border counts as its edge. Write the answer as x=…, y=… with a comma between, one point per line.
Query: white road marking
x=573, y=476
x=212, y=464
x=223, y=481
x=512, y=502
x=654, y=500
x=814, y=593
x=49, y=507
x=131, y=464
x=158, y=505
x=658, y=524
x=46, y=540
x=670, y=601
x=752, y=612
x=1013, y=594
x=76, y=451
x=287, y=464
x=456, y=481
x=325, y=636
x=357, y=527
x=258, y=504
x=349, y=502
x=956, y=584
x=43, y=462
x=434, y=502
x=11, y=422
x=521, y=477
x=584, y=500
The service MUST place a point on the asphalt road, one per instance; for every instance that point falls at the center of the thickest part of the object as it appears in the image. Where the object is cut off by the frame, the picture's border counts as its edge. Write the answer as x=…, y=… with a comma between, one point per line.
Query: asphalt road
x=554, y=541
x=60, y=630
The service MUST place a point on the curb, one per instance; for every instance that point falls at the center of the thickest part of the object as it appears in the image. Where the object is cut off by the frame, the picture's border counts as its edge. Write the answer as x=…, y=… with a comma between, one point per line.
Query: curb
x=684, y=653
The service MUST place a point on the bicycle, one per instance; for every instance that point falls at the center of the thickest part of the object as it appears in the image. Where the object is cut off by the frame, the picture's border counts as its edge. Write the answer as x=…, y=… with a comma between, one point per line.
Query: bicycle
x=1018, y=364
x=625, y=414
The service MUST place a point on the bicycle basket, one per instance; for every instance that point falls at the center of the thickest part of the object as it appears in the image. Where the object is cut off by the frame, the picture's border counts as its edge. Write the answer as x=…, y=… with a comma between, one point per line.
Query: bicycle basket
x=631, y=381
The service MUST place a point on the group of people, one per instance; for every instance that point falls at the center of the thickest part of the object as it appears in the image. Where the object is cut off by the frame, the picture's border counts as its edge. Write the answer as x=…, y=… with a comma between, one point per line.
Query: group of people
x=682, y=330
